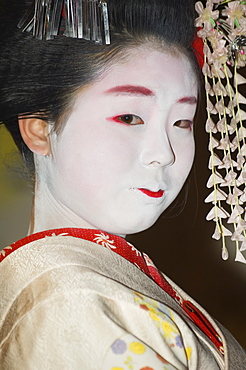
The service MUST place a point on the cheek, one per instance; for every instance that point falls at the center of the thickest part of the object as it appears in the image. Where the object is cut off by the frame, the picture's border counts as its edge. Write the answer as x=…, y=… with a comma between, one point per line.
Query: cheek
x=92, y=158
x=185, y=157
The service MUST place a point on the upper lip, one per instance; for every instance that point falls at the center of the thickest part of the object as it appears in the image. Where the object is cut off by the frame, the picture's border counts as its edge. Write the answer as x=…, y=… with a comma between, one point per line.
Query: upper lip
x=154, y=188
x=155, y=193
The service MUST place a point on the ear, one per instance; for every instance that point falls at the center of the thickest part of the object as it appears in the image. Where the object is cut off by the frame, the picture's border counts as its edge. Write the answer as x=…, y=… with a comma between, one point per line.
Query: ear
x=35, y=133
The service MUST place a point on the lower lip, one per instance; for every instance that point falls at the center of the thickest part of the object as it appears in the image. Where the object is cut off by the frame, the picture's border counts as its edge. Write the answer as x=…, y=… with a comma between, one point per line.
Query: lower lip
x=152, y=194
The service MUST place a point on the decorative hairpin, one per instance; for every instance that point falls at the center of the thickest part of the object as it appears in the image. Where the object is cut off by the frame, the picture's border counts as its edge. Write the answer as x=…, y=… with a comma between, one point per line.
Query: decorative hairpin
x=87, y=19
x=223, y=29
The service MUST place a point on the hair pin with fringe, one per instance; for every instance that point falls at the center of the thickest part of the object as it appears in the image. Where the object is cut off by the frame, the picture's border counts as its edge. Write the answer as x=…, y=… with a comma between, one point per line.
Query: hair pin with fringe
x=83, y=19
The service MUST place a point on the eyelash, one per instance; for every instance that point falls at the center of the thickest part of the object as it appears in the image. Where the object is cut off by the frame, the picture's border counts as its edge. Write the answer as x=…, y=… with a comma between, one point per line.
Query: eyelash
x=128, y=119
x=187, y=124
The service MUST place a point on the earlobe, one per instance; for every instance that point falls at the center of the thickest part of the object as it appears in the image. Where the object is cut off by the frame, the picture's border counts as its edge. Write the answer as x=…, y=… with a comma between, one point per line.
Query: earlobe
x=35, y=133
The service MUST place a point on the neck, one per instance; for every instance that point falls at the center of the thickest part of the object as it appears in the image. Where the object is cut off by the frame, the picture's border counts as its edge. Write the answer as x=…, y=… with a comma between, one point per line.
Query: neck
x=49, y=213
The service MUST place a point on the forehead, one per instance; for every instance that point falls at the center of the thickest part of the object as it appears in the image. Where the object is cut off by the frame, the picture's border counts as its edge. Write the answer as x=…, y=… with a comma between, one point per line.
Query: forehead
x=156, y=70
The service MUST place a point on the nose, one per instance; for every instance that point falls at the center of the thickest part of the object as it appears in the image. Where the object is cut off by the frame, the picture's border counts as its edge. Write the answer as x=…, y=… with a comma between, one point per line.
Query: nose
x=157, y=150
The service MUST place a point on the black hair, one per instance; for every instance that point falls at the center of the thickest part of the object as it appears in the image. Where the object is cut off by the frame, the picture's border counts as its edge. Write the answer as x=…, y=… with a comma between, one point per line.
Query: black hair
x=41, y=76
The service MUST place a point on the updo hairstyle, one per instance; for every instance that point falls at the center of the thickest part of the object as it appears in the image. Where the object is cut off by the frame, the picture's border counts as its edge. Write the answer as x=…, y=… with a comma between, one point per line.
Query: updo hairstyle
x=39, y=77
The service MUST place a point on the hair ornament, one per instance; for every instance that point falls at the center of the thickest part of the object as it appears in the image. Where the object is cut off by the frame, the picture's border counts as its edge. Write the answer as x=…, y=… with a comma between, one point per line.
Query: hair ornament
x=222, y=26
x=83, y=19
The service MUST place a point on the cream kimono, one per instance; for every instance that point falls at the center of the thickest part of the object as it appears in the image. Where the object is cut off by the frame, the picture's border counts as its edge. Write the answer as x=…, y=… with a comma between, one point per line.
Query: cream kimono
x=68, y=303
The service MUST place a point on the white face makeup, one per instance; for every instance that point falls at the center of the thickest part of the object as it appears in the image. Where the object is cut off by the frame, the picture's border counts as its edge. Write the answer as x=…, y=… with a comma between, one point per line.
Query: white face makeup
x=127, y=146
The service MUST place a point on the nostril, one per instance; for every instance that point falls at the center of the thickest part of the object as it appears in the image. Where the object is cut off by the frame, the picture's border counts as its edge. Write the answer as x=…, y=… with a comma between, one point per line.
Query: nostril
x=157, y=150
x=159, y=160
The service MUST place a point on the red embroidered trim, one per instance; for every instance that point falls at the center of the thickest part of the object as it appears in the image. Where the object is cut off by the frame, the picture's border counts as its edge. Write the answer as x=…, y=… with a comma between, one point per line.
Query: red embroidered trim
x=95, y=236
x=129, y=252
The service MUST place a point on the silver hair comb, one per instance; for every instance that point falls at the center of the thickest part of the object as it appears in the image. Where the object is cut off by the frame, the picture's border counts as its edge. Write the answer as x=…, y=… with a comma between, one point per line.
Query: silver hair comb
x=83, y=19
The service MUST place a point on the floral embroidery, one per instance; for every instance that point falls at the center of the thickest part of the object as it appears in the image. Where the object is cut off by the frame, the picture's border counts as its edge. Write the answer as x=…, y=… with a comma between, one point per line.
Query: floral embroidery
x=164, y=319
x=138, y=253
x=179, y=341
x=135, y=355
x=150, y=305
x=188, y=352
x=104, y=241
x=137, y=347
x=128, y=362
x=149, y=262
x=55, y=235
x=119, y=346
x=4, y=251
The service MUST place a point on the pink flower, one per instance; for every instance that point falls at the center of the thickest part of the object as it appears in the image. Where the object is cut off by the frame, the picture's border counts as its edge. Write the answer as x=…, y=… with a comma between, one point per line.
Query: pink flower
x=235, y=13
x=219, y=55
x=215, y=38
x=207, y=16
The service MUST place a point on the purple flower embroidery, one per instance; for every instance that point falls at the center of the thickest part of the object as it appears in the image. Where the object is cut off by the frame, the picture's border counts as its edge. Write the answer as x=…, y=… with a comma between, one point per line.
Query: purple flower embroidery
x=119, y=346
x=179, y=342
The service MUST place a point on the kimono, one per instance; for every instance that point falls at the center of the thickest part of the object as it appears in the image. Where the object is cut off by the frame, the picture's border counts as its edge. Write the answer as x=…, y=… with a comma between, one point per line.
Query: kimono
x=71, y=303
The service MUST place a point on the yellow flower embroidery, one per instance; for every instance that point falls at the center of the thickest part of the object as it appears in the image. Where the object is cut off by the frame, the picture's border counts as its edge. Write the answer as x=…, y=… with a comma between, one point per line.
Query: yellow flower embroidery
x=188, y=352
x=154, y=316
x=137, y=347
x=168, y=329
x=128, y=362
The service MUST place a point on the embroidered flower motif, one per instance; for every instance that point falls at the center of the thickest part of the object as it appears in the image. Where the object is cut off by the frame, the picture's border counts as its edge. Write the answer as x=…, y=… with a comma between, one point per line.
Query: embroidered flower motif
x=169, y=329
x=104, y=241
x=138, y=253
x=129, y=362
x=55, y=235
x=148, y=261
x=4, y=250
x=178, y=341
x=119, y=346
x=137, y=347
x=188, y=352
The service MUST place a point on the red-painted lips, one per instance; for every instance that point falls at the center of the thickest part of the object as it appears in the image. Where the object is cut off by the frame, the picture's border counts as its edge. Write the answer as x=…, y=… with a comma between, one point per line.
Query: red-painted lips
x=153, y=194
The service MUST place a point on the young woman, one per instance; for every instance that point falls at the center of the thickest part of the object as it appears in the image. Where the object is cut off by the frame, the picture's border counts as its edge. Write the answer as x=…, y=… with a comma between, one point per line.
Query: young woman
x=109, y=132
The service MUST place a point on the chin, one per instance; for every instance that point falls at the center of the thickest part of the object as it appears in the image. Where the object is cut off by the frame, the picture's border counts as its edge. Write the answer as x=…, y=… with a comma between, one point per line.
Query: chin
x=131, y=227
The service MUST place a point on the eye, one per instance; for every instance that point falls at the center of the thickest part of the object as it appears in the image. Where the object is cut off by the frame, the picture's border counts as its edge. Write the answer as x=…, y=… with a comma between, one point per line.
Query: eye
x=129, y=119
x=184, y=123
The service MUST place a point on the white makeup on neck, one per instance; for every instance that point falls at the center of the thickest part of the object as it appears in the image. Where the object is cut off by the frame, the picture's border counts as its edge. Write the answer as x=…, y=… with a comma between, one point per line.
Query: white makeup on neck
x=125, y=150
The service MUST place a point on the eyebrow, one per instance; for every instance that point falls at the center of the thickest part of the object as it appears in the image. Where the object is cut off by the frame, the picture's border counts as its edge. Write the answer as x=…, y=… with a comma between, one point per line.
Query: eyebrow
x=131, y=90
x=144, y=91
x=188, y=100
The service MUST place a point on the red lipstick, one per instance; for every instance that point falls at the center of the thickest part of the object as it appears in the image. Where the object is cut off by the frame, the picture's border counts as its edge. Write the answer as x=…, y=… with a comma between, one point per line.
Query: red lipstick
x=153, y=194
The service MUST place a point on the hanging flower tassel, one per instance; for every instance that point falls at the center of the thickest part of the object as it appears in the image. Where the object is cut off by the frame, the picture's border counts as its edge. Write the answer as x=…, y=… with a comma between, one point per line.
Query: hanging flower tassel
x=222, y=28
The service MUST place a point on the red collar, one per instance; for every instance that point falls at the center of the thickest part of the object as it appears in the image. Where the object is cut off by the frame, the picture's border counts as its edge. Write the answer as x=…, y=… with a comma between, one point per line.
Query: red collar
x=113, y=242
x=129, y=252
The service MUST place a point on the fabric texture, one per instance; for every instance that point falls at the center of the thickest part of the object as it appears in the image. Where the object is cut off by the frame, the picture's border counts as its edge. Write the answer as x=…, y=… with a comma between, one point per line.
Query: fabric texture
x=68, y=303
